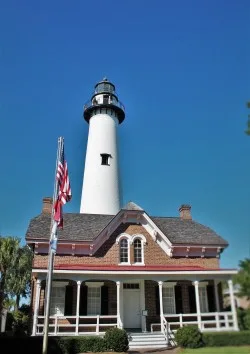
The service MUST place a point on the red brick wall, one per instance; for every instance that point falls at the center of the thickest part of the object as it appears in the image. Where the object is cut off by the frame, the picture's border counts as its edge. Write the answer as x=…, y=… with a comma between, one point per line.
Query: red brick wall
x=108, y=254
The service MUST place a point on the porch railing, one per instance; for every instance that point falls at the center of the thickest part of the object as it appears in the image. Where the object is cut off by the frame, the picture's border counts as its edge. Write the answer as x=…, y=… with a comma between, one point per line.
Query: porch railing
x=70, y=325
x=209, y=321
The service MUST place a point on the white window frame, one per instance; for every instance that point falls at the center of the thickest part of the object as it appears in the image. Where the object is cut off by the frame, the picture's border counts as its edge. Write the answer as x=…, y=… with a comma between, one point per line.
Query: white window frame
x=203, y=297
x=169, y=285
x=94, y=285
x=118, y=241
x=56, y=310
x=143, y=240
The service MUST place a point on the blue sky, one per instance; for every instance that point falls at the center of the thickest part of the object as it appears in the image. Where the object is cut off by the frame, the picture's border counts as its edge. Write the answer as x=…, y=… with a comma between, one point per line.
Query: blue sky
x=182, y=70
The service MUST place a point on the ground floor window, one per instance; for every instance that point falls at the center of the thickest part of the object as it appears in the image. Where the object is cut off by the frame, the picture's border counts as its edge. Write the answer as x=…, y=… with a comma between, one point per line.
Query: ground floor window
x=57, y=299
x=94, y=298
x=203, y=298
x=168, y=299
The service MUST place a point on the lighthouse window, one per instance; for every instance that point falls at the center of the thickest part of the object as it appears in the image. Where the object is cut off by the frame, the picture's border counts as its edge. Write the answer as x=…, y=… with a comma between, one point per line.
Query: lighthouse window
x=105, y=159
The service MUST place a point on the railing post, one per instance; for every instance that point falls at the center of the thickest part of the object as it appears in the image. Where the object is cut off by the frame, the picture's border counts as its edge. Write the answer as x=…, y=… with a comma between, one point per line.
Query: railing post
x=217, y=321
x=38, y=289
x=97, y=324
x=233, y=309
x=56, y=323
x=161, y=305
x=78, y=306
x=197, y=299
x=181, y=320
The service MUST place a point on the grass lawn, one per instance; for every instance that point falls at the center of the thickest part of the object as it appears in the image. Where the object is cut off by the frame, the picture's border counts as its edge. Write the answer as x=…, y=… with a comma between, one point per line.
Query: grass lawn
x=217, y=350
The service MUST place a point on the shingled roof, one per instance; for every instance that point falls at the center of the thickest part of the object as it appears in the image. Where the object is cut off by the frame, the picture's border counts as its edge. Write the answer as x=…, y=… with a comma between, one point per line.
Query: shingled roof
x=180, y=231
x=86, y=227
x=77, y=227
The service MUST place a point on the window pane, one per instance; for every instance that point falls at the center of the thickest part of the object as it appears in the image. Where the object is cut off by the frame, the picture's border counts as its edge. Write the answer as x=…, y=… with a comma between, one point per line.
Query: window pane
x=57, y=301
x=168, y=299
x=203, y=299
x=137, y=251
x=94, y=301
x=124, y=250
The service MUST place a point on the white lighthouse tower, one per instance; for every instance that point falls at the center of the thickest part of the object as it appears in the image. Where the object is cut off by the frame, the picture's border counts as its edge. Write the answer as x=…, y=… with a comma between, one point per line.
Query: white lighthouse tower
x=101, y=184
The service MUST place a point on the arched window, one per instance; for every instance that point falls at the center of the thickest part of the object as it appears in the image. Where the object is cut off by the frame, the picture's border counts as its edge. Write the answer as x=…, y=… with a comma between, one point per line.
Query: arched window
x=137, y=251
x=124, y=250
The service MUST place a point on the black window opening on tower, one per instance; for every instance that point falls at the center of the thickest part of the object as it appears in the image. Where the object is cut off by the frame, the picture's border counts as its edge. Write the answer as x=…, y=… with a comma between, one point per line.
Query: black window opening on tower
x=105, y=159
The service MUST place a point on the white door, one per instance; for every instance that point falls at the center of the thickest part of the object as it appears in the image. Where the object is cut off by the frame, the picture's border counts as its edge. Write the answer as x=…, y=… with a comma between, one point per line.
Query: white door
x=131, y=308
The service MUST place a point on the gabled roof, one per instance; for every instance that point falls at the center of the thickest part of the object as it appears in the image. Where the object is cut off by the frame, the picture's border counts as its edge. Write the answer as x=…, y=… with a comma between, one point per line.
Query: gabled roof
x=77, y=227
x=186, y=232
x=132, y=206
x=87, y=227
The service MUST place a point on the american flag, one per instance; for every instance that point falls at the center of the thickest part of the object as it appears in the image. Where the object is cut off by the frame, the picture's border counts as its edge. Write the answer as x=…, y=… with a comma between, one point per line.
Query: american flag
x=64, y=189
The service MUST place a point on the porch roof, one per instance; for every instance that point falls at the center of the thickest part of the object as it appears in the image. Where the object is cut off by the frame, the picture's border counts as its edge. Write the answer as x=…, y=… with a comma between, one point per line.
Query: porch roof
x=116, y=268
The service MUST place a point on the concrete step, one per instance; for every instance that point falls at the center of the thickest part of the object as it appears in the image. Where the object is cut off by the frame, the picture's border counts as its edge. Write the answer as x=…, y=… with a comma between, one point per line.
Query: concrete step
x=147, y=340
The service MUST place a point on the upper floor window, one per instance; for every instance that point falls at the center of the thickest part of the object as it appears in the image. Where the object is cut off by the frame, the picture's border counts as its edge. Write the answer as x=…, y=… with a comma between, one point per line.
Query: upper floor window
x=124, y=251
x=137, y=251
x=105, y=159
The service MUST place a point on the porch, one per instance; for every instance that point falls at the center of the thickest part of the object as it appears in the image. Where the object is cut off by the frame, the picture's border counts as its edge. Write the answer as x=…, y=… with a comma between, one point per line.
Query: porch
x=91, y=306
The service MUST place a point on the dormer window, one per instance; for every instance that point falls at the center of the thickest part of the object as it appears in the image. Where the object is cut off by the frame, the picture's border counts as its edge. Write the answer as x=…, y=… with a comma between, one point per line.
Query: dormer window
x=105, y=159
x=124, y=251
x=137, y=251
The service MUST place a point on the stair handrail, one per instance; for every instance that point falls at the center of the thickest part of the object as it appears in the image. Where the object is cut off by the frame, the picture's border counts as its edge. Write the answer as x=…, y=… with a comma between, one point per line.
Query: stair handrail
x=164, y=327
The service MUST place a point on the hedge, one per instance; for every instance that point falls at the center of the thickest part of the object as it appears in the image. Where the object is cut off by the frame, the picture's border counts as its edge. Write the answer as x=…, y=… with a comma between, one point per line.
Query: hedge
x=115, y=340
x=221, y=339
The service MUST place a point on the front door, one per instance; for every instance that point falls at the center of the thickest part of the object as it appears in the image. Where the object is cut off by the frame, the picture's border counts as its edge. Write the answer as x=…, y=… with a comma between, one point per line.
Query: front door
x=131, y=308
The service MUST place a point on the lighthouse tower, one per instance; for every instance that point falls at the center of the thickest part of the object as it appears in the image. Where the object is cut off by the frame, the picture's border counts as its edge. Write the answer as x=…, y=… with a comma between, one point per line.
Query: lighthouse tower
x=101, y=185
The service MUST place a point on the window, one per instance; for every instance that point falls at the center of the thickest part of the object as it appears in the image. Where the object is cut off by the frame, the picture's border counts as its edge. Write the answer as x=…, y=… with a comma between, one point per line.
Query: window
x=57, y=301
x=124, y=251
x=131, y=286
x=168, y=299
x=203, y=298
x=105, y=159
x=94, y=301
x=137, y=251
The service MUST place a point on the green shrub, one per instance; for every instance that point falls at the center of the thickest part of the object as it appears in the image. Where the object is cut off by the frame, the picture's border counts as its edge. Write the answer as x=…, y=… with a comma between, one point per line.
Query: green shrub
x=247, y=319
x=75, y=345
x=116, y=339
x=221, y=339
x=189, y=337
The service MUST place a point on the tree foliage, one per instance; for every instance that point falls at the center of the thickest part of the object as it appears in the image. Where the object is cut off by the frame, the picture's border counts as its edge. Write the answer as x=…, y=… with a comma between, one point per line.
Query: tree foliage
x=15, y=268
x=243, y=278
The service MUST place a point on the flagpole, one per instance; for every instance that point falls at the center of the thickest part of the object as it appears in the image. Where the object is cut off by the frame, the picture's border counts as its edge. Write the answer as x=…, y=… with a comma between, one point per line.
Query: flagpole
x=51, y=254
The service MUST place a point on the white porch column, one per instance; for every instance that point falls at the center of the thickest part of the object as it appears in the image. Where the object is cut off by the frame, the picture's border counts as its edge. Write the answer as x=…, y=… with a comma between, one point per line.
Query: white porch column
x=161, y=304
x=118, y=290
x=217, y=303
x=78, y=305
x=233, y=309
x=38, y=290
x=197, y=300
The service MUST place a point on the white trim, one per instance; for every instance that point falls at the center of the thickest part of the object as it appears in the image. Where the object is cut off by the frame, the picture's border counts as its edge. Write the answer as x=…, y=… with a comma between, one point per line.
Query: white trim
x=135, y=272
x=169, y=284
x=121, y=236
x=59, y=284
x=140, y=236
x=201, y=283
x=96, y=284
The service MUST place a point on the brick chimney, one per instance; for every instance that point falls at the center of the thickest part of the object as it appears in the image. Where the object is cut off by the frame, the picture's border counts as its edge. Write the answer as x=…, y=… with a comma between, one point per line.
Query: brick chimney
x=185, y=212
x=47, y=205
